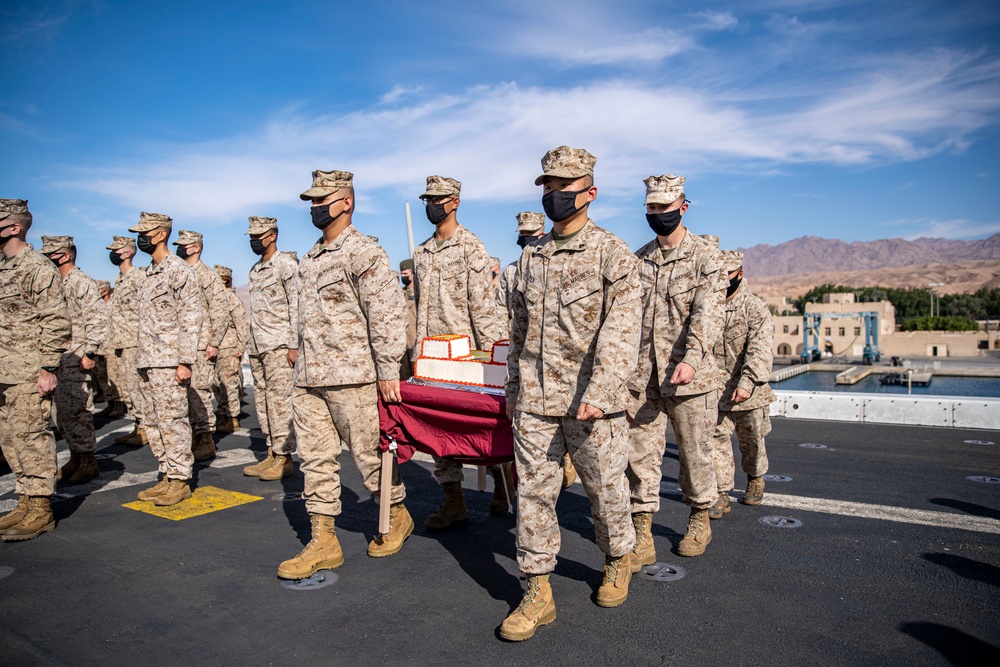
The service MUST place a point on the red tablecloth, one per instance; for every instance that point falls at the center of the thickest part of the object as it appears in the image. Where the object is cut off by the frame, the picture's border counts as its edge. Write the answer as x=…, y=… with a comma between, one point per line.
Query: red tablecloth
x=462, y=425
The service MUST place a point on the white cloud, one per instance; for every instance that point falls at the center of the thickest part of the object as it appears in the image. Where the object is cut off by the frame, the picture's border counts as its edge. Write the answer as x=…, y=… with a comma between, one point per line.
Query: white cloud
x=953, y=229
x=712, y=20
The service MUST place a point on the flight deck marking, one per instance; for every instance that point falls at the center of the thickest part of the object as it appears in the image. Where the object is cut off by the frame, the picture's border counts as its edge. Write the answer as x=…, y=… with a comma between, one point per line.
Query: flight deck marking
x=204, y=500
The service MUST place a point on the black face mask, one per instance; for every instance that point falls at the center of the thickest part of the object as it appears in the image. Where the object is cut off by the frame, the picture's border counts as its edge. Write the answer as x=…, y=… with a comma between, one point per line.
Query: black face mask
x=435, y=213
x=561, y=205
x=734, y=284
x=145, y=244
x=663, y=224
x=4, y=239
x=58, y=262
x=321, y=214
x=522, y=241
x=257, y=246
x=183, y=252
x=406, y=280
x=116, y=259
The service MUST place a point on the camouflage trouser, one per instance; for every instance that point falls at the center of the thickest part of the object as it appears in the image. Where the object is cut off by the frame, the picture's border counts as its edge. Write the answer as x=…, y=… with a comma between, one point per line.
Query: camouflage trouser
x=114, y=390
x=228, y=370
x=25, y=438
x=599, y=452
x=326, y=419
x=124, y=361
x=272, y=380
x=103, y=380
x=693, y=419
x=164, y=408
x=74, y=406
x=751, y=426
x=446, y=470
x=200, y=394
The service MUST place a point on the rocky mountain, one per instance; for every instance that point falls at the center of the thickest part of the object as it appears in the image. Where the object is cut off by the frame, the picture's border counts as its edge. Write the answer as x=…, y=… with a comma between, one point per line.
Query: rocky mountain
x=812, y=254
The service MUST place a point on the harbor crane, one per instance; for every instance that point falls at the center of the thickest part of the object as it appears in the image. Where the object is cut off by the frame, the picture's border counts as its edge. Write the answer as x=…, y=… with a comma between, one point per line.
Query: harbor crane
x=811, y=323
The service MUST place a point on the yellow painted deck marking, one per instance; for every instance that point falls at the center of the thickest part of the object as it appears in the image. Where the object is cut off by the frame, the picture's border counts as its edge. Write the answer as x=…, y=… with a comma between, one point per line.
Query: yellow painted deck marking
x=204, y=500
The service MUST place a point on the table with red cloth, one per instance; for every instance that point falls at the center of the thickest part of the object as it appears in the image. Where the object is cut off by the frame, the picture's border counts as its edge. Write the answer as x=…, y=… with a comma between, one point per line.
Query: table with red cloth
x=465, y=426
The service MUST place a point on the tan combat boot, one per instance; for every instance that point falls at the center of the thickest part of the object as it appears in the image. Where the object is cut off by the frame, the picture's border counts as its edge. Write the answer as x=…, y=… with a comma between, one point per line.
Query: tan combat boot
x=322, y=553
x=280, y=466
x=503, y=490
x=227, y=424
x=115, y=410
x=257, y=468
x=569, y=472
x=203, y=447
x=87, y=470
x=69, y=469
x=644, y=552
x=13, y=517
x=37, y=520
x=617, y=575
x=721, y=506
x=154, y=491
x=176, y=491
x=755, y=491
x=400, y=527
x=699, y=534
x=137, y=438
x=452, y=510
x=537, y=608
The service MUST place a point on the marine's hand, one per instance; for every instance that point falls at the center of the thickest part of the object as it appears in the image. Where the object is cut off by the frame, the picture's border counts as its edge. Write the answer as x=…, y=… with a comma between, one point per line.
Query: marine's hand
x=87, y=364
x=683, y=374
x=183, y=374
x=389, y=391
x=292, y=356
x=588, y=413
x=740, y=395
x=211, y=352
x=46, y=383
x=510, y=412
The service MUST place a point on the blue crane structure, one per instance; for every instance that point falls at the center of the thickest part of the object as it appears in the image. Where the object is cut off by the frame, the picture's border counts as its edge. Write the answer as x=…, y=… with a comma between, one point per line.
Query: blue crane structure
x=811, y=322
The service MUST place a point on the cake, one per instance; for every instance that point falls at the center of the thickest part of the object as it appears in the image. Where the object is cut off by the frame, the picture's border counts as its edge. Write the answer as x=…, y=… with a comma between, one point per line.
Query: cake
x=451, y=360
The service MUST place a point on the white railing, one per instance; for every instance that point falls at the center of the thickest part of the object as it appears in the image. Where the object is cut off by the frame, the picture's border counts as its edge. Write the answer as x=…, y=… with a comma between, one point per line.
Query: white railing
x=952, y=411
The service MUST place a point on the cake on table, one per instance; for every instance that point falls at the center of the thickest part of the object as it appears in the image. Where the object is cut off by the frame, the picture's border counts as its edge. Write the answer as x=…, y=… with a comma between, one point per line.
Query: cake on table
x=450, y=359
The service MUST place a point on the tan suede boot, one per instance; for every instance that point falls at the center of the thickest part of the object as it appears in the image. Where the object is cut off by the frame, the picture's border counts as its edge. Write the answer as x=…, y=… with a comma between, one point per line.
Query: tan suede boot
x=755, y=491
x=137, y=438
x=227, y=425
x=644, y=552
x=721, y=506
x=452, y=510
x=154, y=491
x=699, y=534
x=569, y=472
x=537, y=608
x=87, y=470
x=203, y=447
x=322, y=553
x=176, y=491
x=280, y=466
x=400, y=527
x=503, y=490
x=69, y=469
x=617, y=575
x=37, y=520
x=13, y=517
x=257, y=468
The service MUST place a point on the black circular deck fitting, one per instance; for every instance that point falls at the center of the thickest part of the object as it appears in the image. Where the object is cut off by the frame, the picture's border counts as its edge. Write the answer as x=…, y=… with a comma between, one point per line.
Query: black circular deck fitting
x=781, y=522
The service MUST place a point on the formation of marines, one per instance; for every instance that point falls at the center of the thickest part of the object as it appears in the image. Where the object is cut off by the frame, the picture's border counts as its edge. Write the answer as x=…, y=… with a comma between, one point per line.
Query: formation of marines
x=607, y=347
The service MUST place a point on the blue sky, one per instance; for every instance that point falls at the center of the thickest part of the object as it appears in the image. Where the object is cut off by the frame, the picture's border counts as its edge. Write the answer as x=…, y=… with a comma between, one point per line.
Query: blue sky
x=850, y=120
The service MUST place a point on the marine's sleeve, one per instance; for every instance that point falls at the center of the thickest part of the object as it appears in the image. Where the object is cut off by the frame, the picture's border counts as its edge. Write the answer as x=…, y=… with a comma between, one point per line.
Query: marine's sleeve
x=503, y=312
x=482, y=301
x=617, y=348
x=759, y=352
x=218, y=308
x=290, y=286
x=707, y=314
x=187, y=293
x=519, y=319
x=95, y=315
x=49, y=299
x=239, y=315
x=384, y=307
x=644, y=369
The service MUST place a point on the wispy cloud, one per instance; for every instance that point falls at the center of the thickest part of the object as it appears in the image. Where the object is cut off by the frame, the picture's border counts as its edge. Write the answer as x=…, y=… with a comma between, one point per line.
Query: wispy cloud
x=713, y=20
x=953, y=229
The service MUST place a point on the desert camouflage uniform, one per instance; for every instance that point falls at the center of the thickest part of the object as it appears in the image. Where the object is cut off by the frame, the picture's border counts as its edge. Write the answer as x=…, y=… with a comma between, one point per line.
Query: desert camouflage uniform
x=88, y=315
x=454, y=295
x=170, y=320
x=351, y=333
x=745, y=352
x=214, y=308
x=124, y=314
x=574, y=339
x=230, y=363
x=681, y=321
x=503, y=297
x=34, y=333
x=274, y=329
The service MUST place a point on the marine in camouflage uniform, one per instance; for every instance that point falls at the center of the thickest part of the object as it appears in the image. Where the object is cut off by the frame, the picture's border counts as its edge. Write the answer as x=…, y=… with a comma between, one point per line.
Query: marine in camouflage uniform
x=684, y=286
x=229, y=366
x=106, y=375
x=170, y=323
x=123, y=310
x=34, y=333
x=454, y=295
x=574, y=339
x=88, y=315
x=351, y=338
x=214, y=308
x=744, y=351
x=406, y=279
x=274, y=345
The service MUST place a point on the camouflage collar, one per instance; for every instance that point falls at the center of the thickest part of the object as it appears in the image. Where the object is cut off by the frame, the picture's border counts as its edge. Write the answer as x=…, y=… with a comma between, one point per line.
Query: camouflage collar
x=334, y=245
x=680, y=252
x=13, y=262
x=430, y=245
x=546, y=245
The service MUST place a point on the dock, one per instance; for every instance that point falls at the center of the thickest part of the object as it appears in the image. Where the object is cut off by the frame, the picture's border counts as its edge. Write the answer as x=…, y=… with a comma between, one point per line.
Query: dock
x=853, y=375
x=789, y=372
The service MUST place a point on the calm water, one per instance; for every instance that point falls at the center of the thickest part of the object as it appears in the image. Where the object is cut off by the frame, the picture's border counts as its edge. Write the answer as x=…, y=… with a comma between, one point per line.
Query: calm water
x=940, y=385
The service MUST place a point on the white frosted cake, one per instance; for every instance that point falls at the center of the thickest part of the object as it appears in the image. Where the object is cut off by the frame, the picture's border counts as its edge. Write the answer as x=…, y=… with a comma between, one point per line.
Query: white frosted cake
x=449, y=359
